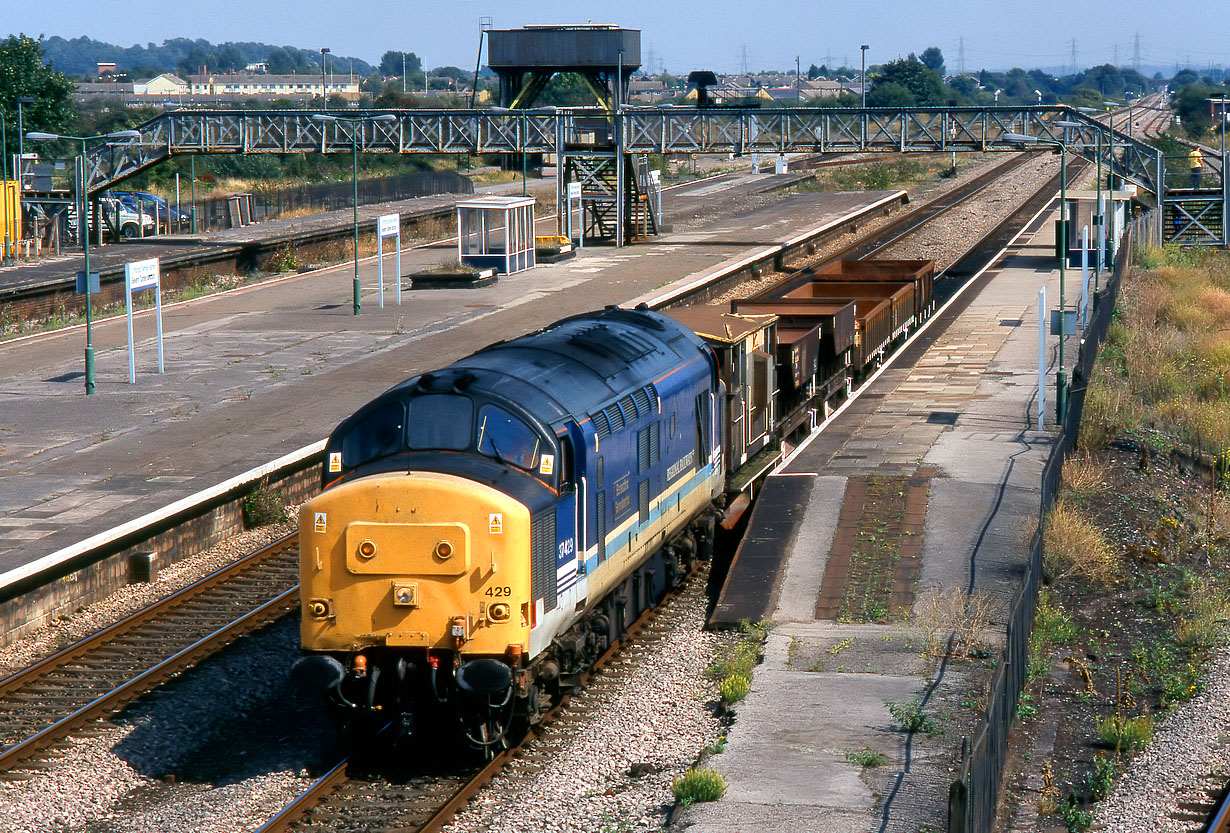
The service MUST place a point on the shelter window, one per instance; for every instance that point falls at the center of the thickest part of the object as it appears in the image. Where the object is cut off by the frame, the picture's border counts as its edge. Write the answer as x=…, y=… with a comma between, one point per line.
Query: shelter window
x=506, y=438
x=441, y=421
x=378, y=434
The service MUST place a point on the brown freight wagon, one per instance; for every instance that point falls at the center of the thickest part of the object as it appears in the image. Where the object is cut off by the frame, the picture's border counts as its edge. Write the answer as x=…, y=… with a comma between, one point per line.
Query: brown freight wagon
x=824, y=329
x=873, y=320
x=919, y=273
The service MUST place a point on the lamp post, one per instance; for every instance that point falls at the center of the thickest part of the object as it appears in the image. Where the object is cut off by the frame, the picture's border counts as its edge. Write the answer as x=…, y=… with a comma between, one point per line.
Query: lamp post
x=1099, y=218
x=324, y=82
x=354, y=146
x=83, y=229
x=21, y=149
x=21, y=152
x=1061, y=376
x=4, y=191
x=863, y=74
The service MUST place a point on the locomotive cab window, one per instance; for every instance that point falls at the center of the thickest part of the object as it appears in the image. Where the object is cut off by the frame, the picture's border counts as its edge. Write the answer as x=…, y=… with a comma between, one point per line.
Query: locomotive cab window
x=377, y=434
x=506, y=438
x=440, y=421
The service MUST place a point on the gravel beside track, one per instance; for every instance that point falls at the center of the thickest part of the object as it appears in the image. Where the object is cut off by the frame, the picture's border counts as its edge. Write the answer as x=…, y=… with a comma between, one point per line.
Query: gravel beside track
x=1188, y=745
x=128, y=600
x=221, y=749
x=962, y=226
x=607, y=763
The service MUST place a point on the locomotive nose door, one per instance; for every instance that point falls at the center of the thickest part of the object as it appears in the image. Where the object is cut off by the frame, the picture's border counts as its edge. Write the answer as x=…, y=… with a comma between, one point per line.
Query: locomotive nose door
x=569, y=518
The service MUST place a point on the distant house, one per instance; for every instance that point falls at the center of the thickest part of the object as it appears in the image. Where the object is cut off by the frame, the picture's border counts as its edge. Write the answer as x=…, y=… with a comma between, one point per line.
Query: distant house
x=165, y=84
x=249, y=85
x=821, y=88
x=647, y=90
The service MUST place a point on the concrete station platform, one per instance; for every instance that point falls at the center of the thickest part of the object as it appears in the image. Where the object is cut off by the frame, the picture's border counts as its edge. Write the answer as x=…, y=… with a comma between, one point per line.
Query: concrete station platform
x=267, y=370
x=939, y=453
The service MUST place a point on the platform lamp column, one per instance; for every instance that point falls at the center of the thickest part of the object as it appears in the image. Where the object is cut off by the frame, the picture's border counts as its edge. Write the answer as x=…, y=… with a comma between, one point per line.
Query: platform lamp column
x=83, y=229
x=863, y=74
x=355, y=126
x=1225, y=214
x=324, y=82
x=21, y=148
x=4, y=172
x=1061, y=375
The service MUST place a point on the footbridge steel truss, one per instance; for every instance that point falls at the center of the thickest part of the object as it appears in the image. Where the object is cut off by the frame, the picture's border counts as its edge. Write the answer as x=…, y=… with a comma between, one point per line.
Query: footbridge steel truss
x=690, y=130
x=735, y=130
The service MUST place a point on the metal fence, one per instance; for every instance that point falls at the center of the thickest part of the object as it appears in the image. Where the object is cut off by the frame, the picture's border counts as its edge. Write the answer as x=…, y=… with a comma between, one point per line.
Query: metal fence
x=974, y=796
x=216, y=213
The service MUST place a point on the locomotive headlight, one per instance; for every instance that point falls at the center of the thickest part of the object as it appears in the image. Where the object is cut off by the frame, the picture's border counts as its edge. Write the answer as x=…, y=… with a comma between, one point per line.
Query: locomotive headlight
x=444, y=549
x=367, y=548
x=499, y=612
x=406, y=595
x=318, y=608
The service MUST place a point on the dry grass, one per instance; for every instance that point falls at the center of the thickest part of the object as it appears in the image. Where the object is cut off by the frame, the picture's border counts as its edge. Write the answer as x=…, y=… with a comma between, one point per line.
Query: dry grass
x=1166, y=363
x=1205, y=621
x=1082, y=474
x=306, y=211
x=940, y=614
x=1073, y=546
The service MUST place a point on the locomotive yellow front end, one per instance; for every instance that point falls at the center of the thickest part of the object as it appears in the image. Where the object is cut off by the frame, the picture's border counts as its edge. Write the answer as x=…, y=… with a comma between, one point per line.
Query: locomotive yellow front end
x=415, y=583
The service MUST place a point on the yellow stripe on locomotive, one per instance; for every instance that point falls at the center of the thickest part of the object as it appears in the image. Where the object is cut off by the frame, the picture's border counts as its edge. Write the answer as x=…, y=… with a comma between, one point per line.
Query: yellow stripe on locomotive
x=436, y=563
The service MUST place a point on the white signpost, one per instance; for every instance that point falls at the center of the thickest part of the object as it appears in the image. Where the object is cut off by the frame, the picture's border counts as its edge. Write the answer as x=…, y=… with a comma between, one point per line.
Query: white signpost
x=389, y=225
x=142, y=274
x=574, y=193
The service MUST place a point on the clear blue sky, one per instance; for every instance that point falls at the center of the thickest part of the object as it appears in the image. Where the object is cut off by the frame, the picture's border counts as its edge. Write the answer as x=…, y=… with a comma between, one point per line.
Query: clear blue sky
x=682, y=34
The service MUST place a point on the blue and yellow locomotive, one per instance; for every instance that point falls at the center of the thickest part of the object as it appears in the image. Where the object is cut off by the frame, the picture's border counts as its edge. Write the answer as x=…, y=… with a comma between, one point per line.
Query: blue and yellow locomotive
x=487, y=529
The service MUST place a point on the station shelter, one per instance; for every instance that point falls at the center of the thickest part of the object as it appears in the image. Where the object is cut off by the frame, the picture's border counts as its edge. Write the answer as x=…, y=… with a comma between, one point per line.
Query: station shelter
x=1082, y=209
x=496, y=232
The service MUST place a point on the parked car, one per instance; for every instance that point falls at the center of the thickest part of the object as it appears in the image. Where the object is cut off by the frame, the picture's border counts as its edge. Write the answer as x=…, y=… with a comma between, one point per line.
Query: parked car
x=155, y=206
x=130, y=222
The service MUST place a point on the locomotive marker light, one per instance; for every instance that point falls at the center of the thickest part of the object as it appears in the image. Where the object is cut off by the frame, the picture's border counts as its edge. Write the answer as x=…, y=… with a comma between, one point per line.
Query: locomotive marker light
x=355, y=123
x=83, y=229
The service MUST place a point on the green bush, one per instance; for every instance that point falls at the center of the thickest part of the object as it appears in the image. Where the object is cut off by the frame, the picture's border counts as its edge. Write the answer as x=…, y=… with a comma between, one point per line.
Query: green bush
x=1102, y=778
x=285, y=259
x=699, y=785
x=1128, y=734
x=866, y=757
x=911, y=717
x=263, y=506
x=744, y=656
x=735, y=687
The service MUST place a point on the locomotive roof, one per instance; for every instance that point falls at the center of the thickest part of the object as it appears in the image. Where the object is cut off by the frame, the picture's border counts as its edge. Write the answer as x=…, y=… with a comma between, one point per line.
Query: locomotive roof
x=574, y=366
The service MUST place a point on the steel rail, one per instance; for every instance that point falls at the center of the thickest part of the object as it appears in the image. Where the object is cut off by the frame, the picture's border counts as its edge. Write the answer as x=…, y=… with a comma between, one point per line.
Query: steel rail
x=336, y=779
x=153, y=676
x=109, y=634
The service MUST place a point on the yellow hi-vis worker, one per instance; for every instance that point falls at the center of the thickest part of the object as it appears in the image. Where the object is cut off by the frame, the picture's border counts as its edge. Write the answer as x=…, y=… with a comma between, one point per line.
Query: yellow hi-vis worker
x=1195, y=161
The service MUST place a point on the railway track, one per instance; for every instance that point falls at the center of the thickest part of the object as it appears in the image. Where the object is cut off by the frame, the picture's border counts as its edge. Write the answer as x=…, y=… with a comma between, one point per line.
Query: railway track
x=424, y=802
x=48, y=701
x=45, y=702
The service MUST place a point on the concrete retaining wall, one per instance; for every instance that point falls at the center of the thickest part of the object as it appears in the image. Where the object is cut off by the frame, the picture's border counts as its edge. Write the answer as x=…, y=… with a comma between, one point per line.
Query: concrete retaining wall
x=171, y=540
